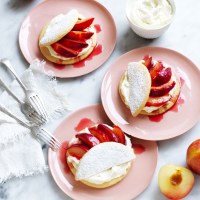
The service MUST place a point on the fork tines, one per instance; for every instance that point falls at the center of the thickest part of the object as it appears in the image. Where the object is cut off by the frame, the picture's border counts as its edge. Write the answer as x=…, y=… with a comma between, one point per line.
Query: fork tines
x=49, y=139
x=37, y=119
x=37, y=103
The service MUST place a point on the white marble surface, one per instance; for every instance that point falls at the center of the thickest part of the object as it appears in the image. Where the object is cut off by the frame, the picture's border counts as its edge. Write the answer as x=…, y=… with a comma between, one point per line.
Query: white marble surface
x=182, y=36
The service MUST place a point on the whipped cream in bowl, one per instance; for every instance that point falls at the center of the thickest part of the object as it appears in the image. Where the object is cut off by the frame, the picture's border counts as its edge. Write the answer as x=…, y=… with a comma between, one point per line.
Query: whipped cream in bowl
x=150, y=18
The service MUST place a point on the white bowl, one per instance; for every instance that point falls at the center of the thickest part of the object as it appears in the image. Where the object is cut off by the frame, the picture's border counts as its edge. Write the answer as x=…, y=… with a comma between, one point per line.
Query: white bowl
x=148, y=33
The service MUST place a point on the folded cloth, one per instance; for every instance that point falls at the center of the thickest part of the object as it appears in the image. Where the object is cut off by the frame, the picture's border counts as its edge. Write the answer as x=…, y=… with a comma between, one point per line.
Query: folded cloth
x=20, y=153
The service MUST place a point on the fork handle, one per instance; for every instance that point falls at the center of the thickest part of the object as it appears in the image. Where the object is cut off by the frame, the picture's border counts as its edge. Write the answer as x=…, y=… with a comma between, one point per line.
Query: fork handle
x=6, y=111
x=9, y=66
x=10, y=92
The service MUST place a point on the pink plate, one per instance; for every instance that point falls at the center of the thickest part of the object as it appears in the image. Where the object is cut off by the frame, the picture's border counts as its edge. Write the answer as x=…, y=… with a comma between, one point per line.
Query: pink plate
x=134, y=183
x=45, y=11
x=183, y=116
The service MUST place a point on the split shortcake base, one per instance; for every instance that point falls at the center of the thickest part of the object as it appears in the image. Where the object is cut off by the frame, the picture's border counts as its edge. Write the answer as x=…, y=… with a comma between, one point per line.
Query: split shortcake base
x=100, y=156
x=139, y=88
x=68, y=39
x=159, y=95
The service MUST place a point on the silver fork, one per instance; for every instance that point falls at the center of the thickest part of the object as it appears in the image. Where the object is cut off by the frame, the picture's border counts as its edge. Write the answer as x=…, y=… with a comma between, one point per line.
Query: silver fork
x=26, y=108
x=32, y=96
x=39, y=132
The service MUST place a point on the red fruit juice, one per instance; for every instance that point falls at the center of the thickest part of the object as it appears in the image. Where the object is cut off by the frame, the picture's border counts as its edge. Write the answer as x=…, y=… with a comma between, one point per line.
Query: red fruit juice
x=182, y=81
x=59, y=66
x=62, y=156
x=156, y=118
x=178, y=104
x=97, y=27
x=138, y=148
x=84, y=123
x=97, y=50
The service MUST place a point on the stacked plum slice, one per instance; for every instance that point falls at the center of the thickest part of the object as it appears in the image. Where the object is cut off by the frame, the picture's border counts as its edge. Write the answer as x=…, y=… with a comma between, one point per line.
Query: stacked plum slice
x=76, y=40
x=98, y=134
x=162, y=83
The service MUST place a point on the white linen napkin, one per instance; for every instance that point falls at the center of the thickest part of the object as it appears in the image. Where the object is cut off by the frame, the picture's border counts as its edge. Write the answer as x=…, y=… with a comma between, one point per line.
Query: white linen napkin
x=20, y=154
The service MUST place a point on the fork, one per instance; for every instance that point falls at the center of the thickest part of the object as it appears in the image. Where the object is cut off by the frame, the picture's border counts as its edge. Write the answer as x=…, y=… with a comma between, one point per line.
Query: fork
x=39, y=132
x=32, y=96
x=26, y=108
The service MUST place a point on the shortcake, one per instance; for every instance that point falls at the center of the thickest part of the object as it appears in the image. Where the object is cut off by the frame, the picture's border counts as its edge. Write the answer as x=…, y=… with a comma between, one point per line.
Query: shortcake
x=100, y=156
x=68, y=38
x=149, y=87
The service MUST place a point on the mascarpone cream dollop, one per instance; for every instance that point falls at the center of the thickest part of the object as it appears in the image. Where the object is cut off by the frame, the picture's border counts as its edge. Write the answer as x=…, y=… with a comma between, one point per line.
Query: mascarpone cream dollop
x=151, y=13
x=107, y=175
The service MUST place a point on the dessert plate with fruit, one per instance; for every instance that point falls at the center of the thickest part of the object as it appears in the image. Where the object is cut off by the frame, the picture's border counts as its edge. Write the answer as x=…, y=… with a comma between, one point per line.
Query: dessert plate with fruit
x=149, y=92
x=74, y=37
x=98, y=160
